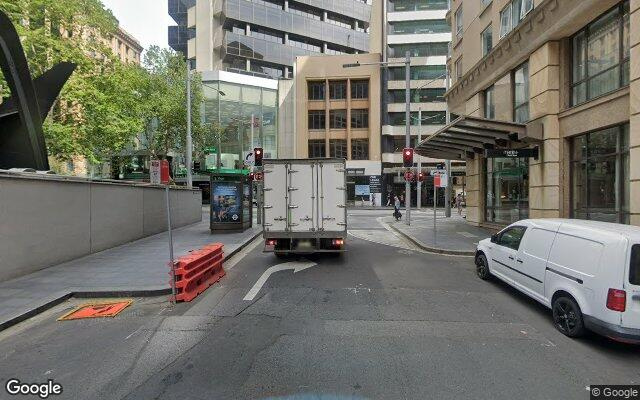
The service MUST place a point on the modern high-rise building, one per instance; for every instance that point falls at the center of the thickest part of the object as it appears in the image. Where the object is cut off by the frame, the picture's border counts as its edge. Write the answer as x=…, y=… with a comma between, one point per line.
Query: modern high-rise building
x=263, y=37
x=420, y=28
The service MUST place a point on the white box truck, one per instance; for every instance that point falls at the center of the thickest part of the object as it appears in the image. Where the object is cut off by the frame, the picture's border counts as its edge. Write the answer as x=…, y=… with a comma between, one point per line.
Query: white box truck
x=304, y=206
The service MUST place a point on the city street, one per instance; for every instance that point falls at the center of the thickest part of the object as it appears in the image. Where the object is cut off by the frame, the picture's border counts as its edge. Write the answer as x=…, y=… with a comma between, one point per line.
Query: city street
x=383, y=321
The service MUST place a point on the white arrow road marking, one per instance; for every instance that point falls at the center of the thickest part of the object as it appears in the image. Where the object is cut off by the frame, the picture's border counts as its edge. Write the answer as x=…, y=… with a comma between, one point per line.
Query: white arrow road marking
x=296, y=266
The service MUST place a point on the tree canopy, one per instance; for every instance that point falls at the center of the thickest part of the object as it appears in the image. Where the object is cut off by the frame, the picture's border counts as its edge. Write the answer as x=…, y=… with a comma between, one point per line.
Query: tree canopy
x=106, y=104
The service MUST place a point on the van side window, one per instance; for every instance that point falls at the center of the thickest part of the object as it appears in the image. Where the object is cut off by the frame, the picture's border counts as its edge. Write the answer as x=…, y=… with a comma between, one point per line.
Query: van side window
x=512, y=237
x=634, y=268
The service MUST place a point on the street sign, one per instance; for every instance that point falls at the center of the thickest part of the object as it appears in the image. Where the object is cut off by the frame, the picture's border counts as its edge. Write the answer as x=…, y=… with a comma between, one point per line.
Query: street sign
x=408, y=176
x=435, y=172
x=249, y=158
x=441, y=180
x=375, y=183
x=155, y=172
x=258, y=176
x=512, y=153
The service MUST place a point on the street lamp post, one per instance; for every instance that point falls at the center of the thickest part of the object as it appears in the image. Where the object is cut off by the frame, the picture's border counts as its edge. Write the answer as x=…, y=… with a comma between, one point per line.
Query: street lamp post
x=189, y=150
x=407, y=65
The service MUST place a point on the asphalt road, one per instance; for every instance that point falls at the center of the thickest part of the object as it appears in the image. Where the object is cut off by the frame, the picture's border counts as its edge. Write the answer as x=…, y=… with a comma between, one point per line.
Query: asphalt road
x=384, y=321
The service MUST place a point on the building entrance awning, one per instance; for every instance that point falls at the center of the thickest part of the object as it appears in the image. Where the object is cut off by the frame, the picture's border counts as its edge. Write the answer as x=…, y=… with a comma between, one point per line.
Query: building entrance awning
x=466, y=136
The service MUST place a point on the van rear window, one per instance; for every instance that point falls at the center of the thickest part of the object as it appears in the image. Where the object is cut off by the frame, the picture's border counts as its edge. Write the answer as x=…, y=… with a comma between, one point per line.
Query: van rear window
x=634, y=268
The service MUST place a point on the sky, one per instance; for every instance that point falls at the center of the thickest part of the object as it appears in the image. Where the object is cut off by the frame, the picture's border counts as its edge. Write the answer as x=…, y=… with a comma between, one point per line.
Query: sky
x=146, y=20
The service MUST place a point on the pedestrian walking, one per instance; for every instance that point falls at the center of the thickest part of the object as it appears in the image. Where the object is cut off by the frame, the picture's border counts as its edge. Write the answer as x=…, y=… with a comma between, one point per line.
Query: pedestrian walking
x=459, y=203
x=396, y=208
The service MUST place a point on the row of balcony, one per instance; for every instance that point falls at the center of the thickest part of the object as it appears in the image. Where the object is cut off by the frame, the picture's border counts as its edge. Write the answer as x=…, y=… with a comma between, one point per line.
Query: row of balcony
x=258, y=14
x=259, y=49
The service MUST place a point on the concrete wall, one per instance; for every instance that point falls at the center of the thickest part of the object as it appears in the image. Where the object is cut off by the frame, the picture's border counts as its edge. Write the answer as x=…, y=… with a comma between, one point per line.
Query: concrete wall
x=46, y=220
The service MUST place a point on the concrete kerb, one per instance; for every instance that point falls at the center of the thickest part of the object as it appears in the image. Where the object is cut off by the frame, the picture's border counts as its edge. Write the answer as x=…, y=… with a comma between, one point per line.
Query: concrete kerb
x=84, y=293
x=437, y=250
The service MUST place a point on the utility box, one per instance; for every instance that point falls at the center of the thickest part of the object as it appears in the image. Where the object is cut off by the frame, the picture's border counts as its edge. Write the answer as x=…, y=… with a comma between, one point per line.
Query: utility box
x=231, y=203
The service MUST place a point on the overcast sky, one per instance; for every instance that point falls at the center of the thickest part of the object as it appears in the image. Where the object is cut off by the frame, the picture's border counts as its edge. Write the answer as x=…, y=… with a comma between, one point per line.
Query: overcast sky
x=146, y=20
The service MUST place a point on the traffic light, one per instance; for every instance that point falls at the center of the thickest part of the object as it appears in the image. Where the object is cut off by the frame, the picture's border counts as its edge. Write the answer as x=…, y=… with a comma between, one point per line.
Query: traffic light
x=258, y=153
x=252, y=176
x=407, y=157
x=421, y=176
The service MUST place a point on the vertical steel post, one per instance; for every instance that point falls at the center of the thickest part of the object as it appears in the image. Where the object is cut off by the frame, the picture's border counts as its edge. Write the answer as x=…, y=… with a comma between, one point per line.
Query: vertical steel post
x=418, y=183
x=171, y=262
x=447, y=195
x=189, y=149
x=407, y=194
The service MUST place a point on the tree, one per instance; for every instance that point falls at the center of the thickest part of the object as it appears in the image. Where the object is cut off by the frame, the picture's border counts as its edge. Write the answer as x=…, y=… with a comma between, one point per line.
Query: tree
x=165, y=95
x=97, y=113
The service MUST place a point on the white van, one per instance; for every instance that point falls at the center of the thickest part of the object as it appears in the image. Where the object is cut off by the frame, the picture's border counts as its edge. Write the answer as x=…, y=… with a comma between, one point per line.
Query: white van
x=587, y=272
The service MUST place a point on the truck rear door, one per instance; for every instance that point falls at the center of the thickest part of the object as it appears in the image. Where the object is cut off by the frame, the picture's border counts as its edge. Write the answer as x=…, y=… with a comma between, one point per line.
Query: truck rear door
x=301, y=189
x=275, y=204
x=631, y=316
x=332, y=192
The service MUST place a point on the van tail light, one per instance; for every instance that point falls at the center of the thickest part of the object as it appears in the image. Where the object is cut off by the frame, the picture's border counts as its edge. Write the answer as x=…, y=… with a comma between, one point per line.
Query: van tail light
x=617, y=300
x=337, y=242
x=272, y=242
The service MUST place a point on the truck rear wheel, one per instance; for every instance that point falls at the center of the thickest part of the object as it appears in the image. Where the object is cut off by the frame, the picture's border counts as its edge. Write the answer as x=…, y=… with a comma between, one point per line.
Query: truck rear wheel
x=280, y=255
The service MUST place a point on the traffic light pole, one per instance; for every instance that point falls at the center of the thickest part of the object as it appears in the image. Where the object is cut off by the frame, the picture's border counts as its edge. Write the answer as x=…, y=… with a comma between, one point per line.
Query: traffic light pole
x=418, y=182
x=407, y=119
x=189, y=141
x=447, y=196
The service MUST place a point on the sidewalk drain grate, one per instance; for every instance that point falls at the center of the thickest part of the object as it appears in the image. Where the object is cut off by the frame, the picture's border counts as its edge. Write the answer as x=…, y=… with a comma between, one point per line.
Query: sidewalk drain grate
x=96, y=310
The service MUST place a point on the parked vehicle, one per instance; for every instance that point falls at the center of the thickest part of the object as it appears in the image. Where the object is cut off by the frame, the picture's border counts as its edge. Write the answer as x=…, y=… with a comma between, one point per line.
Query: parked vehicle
x=304, y=206
x=587, y=272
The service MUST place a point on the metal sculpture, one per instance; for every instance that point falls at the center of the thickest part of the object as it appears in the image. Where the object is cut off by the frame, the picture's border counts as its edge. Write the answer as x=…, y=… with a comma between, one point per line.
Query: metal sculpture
x=22, y=142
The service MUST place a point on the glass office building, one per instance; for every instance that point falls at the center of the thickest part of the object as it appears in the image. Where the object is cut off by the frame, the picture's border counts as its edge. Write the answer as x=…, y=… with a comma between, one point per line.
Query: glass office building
x=247, y=114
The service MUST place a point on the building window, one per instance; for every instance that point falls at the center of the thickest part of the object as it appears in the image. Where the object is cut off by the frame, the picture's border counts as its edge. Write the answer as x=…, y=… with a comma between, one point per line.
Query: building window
x=419, y=50
x=601, y=55
x=417, y=27
x=338, y=148
x=507, y=189
x=600, y=175
x=336, y=19
x=338, y=119
x=459, y=68
x=428, y=118
x=317, y=119
x=459, y=24
x=418, y=5
x=359, y=118
x=359, y=149
x=304, y=43
x=317, y=149
x=521, y=93
x=305, y=11
x=422, y=72
x=512, y=14
x=426, y=95
x=360, y=89
x=338, y=90
x=316, y=90
x=486, y=37
x=267, y=34
x=489, y=103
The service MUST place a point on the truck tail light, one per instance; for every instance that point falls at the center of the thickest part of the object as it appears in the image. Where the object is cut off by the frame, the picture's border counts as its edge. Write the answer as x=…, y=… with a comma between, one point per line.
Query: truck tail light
x=272, y=242
x=337, y=242
x=617, y=300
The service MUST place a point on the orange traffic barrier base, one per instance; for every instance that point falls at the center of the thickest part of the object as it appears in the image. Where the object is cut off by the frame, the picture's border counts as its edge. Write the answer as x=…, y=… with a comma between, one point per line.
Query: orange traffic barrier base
x=198, y=270
x=96, y=310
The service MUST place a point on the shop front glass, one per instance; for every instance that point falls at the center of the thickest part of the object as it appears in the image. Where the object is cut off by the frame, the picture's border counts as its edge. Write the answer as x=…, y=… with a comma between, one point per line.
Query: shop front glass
x=600, y=175
x=234, y=112
x=507, y=189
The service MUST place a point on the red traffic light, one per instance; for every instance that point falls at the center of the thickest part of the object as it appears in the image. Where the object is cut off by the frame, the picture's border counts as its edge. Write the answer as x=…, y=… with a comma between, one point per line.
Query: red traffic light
x=252, y=176
x=407, y=157
x=421, y=176
x=257, y=154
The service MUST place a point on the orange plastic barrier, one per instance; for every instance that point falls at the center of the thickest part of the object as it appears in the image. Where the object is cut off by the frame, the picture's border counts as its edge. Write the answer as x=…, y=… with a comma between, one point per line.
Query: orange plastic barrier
x=198, y=270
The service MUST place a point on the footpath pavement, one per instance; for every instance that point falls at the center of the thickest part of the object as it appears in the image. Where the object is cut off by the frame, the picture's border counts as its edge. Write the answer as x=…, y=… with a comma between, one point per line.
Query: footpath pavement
x=139, y=268
x=453, y=236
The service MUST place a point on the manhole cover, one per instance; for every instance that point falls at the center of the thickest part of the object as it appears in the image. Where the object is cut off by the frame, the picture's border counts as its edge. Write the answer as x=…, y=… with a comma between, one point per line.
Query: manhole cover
x=97, y=310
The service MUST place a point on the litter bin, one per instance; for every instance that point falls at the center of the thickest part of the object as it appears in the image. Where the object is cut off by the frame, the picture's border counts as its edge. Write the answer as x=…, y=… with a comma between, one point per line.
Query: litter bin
x=231, y=203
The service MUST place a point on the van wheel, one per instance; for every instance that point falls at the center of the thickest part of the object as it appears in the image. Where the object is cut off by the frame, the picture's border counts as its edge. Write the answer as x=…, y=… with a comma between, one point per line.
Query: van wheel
x=482, y=267
x=567, y=317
